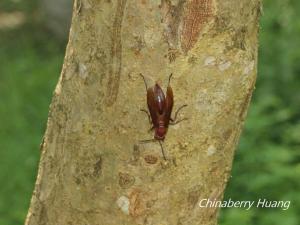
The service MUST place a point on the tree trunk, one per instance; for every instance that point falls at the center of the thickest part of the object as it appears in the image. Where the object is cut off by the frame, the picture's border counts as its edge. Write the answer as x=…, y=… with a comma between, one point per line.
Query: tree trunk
x=93, y=170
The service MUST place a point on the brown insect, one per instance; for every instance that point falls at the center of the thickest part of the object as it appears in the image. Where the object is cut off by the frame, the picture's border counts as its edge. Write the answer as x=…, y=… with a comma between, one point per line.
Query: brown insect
x=160, y=108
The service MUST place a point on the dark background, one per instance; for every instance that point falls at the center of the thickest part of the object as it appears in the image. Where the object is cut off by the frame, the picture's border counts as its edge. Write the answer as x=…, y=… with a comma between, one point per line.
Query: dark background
x=266, y=164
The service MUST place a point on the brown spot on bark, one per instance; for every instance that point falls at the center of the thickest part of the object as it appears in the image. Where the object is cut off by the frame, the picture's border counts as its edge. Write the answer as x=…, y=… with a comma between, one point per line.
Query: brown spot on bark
x=126, y=180
x=138, y=45
x=150, y=159
x=116, y=55
x=98, y=167
x=197, y=14
x=193, y=197
x=141, y=202
x=77, y=180
x=227, y=134
x=137, y=203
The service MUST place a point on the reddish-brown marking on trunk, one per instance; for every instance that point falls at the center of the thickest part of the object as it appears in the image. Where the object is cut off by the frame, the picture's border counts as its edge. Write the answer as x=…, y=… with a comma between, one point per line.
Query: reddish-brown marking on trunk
x=197, y=14
x=141, y=201
x=137, y=203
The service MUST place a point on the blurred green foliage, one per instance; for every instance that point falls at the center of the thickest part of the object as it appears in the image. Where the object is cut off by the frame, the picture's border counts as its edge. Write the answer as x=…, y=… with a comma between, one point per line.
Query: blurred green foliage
x=266, y=164
x=18, y=5
x=30, y=62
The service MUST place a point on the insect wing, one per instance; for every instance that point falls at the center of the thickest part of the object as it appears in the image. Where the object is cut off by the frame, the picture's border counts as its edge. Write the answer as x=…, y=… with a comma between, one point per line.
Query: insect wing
x=152, y=105
x=168, y=105
x=160, y=99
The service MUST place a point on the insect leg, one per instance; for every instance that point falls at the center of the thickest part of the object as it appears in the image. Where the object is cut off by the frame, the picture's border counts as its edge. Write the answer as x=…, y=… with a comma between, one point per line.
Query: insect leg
x=152, y=140
x=162, y=150
x=176, y=122
x=149, y=117
x=170, y=78
x=144, y=81
x=175, y=117
x=147, y=141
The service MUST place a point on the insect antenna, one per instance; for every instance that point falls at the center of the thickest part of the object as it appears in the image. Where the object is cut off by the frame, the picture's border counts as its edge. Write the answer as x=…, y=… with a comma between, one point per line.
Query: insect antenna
x=144, y=81
x=177, y=111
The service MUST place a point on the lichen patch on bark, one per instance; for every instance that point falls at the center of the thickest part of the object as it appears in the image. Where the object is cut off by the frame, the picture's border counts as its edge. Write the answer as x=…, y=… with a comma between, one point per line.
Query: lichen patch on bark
x=123, y=203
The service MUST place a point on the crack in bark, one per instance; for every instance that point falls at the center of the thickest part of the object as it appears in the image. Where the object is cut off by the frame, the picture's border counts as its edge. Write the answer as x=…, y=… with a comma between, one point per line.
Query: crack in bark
x=171, y=18
x=116, y=55
x=247, y=100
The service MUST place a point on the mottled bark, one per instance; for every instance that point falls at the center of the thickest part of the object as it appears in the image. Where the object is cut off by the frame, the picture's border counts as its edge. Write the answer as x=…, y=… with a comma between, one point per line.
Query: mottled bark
x=93, y=169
